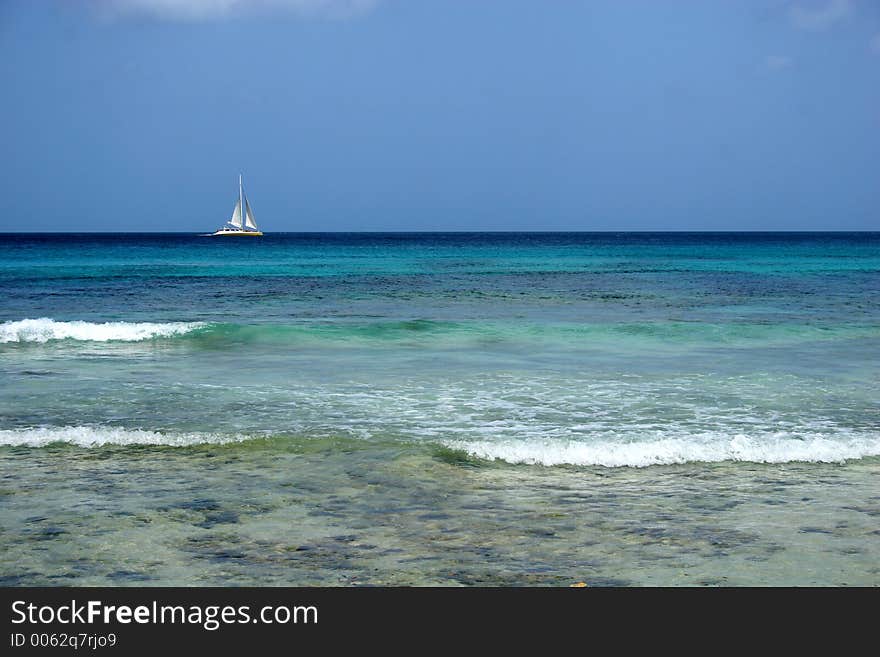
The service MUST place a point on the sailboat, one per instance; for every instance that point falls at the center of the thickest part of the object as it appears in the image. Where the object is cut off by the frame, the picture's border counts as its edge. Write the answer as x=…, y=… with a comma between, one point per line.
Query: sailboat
x=234, y=226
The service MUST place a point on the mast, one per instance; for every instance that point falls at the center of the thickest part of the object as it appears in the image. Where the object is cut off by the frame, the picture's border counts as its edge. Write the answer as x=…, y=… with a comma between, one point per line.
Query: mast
x=240, y=204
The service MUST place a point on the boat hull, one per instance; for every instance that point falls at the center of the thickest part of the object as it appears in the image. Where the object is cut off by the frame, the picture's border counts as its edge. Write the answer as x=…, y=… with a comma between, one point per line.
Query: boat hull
x=237, y=233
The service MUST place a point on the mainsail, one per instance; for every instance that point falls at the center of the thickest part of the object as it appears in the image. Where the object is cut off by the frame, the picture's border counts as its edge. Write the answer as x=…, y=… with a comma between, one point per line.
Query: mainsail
x=236, y=215
x=249, y=215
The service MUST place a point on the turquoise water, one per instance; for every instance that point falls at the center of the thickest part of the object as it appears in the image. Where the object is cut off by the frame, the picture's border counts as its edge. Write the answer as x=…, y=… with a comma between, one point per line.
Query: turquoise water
x=440, y=409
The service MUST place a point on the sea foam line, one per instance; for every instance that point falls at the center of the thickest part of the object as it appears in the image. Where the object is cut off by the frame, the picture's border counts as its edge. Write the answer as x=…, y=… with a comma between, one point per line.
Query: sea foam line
x=87, y=436
x=778, y=448
x=697, y=448
x=45, y=329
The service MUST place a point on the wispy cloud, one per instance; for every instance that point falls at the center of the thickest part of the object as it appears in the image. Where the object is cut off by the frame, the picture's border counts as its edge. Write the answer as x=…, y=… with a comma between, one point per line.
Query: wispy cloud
x=778, y=62
x=205, y=10
x=818, y=16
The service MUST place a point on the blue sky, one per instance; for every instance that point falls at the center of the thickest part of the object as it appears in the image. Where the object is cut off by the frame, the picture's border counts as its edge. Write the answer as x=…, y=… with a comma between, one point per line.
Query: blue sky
x=441, y=114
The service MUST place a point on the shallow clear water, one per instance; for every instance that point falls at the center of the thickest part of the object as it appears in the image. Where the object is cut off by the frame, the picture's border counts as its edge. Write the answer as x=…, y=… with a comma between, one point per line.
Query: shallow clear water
x=440, y=409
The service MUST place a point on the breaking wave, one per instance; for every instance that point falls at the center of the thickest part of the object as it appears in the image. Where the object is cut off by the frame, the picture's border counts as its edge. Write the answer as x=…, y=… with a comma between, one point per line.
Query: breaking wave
x=45, y=329
x=701, y=448
x=709, y=447
x=427, y=332
x=86, y=436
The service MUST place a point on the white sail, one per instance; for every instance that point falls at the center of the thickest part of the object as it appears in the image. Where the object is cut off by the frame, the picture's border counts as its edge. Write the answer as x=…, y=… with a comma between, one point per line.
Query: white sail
x=249, y=215
x=236, y=215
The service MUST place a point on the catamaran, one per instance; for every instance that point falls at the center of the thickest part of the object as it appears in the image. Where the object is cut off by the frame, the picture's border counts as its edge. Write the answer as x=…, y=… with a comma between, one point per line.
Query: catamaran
x=234, y=226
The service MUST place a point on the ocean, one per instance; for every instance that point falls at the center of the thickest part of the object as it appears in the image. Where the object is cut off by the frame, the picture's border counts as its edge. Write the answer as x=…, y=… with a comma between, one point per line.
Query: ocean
x=440, y=409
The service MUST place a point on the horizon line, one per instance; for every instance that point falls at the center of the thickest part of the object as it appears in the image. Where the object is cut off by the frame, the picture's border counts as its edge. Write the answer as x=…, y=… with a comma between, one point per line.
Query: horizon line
x=434, y=232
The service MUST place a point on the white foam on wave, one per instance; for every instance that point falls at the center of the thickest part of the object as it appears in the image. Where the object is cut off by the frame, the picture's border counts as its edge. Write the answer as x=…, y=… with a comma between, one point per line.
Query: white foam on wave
x=86, y=436
x=701, y=448
x=45, y=329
